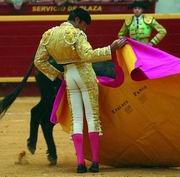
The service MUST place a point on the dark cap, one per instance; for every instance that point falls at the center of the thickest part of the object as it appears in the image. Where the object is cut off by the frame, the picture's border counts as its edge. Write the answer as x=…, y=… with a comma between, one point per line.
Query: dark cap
x=141, y=4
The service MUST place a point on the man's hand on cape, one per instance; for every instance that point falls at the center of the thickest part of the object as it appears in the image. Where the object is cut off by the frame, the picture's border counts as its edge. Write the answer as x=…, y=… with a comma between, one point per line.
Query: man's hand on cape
x=118, y=43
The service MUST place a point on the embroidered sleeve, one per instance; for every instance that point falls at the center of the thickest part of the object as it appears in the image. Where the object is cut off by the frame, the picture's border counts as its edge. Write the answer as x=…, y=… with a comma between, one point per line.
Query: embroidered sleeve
x=42, y=56
x=123, y=31
x=161, y=32
x=88, y=54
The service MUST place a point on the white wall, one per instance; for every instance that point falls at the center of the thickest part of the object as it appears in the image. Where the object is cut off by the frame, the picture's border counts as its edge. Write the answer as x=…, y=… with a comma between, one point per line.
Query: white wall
x=168, y=6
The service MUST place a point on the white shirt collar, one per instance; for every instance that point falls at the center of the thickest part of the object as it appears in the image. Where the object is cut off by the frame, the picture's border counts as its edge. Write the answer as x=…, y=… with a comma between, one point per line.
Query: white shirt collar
x=140, y=17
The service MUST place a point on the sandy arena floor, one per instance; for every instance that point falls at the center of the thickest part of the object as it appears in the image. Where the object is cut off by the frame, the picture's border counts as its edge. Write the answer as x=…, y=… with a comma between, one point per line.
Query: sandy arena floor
x=14, y=129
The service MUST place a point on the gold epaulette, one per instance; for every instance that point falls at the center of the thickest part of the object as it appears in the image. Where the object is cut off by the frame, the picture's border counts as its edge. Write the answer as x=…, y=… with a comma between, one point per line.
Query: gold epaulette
x=148, y=19
x=46, y=36
x=71, y=35
x=128, y=21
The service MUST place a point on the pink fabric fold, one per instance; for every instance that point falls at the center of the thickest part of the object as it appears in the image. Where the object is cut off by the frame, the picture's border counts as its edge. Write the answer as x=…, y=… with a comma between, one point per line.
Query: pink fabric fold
x=110, y=82
x=57, y=101
x=153, y=62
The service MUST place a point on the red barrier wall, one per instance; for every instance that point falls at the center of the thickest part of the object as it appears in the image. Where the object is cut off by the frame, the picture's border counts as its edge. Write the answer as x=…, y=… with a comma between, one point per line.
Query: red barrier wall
x=19, y=40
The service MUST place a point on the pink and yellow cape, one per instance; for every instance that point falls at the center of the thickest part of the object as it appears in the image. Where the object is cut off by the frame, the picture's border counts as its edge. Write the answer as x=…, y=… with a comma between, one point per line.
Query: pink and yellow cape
x=139, y=109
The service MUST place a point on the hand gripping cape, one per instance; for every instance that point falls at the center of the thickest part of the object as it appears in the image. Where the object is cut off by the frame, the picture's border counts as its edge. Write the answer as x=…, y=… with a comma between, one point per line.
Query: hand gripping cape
x=139, y=109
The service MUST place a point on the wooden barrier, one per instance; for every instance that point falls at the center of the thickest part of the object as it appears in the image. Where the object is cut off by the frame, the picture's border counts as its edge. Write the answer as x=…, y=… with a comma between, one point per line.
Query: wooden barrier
x=15, y=79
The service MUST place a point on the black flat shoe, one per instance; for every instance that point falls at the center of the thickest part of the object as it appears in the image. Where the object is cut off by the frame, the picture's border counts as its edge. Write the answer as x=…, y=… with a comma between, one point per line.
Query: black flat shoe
x=81, y=168
x=94, y=168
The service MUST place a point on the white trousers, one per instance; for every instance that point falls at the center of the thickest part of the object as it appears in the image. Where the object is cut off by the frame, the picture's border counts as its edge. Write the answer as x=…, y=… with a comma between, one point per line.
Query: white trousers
x=82, y=95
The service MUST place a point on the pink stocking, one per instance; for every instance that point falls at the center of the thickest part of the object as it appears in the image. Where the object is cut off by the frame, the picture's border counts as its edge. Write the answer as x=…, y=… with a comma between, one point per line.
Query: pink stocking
x=78, y=144
x=94, y=142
